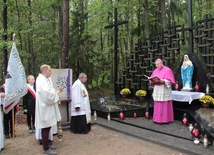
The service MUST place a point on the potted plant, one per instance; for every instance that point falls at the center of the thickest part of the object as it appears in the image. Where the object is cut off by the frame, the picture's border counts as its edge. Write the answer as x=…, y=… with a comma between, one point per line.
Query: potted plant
x=206, y=101
x=125, y=92
x=141, y=94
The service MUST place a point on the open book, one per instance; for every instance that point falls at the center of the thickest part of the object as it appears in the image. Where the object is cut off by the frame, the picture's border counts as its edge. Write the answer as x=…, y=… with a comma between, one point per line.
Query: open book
x=153, y=79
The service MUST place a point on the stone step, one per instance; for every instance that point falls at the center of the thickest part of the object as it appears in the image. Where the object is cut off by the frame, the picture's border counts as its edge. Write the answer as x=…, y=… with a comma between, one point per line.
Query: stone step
x=172, y=135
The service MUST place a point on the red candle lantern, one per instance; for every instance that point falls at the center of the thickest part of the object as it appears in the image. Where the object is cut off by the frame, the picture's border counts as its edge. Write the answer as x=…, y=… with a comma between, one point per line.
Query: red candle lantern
x=135, y=115
x=195, y=131
x=147, y=115
x=176, y=86
x=121, y=115
x=185, y=120
x=196, y=87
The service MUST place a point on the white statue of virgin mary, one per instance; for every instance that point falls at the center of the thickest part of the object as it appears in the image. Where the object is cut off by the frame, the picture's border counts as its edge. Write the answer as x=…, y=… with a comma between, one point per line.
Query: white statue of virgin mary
x=187, y=69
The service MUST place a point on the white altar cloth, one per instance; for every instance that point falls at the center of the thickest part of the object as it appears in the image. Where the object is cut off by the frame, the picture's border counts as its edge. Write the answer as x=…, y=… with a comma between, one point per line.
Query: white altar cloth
x=184, y=96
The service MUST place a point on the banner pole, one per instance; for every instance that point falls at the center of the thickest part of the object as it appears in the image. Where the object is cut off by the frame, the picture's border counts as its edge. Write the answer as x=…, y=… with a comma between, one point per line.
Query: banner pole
x=13, y=124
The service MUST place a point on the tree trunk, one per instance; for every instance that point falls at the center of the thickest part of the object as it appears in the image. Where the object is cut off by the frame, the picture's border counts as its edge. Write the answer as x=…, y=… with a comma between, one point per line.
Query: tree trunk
x=60, y=33
x=146, y=16
x=139, y=17
x=65, y=34
x=4, y=37
x=163, y=14
x=19, y=28
x=31, y=63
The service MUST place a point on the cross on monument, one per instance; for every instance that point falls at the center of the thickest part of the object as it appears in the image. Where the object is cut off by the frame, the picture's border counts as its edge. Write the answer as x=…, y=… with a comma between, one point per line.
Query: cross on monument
x=115, y=26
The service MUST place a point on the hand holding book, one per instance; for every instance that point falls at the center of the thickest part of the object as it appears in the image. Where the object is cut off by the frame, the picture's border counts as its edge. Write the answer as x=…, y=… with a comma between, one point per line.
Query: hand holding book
x=154, y=79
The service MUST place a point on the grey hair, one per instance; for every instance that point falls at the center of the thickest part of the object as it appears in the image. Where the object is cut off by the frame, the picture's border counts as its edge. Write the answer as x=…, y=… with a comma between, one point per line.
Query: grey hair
x=82, y=75
x=158, y=60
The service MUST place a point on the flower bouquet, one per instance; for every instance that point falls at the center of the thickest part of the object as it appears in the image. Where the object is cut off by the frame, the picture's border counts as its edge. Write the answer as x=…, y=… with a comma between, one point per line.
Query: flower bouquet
x=206, y=100
x=125, y=92
x=141, y=93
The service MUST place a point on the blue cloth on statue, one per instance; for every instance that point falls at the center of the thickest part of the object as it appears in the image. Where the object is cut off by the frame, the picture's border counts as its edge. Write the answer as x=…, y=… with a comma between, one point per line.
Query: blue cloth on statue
x=186, y=76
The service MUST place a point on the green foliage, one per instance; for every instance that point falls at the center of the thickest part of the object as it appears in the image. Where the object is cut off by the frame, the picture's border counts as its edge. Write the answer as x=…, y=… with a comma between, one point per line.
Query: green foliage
x=101, y=80
x=38, y=31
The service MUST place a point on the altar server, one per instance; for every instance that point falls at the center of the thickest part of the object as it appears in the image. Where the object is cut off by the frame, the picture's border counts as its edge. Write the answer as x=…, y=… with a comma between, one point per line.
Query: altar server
x=29, y=104
x=47, y=110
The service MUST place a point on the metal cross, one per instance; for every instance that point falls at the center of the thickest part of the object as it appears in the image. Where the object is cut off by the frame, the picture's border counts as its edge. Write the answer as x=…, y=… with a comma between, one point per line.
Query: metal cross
x=115, y=26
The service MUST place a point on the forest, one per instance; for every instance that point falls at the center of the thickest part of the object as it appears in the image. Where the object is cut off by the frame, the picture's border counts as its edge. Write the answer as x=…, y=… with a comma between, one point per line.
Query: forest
x=74, y=34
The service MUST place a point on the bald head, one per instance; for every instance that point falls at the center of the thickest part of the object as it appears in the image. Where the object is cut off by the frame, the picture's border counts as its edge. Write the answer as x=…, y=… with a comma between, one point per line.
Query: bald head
x=45, y=70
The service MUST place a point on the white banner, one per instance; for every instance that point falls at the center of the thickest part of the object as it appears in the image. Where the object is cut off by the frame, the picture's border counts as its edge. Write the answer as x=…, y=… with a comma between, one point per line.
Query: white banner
x=15, y=80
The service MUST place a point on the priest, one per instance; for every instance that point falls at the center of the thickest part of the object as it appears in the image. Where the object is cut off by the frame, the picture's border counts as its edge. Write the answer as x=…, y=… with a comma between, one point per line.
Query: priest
x=80, y=107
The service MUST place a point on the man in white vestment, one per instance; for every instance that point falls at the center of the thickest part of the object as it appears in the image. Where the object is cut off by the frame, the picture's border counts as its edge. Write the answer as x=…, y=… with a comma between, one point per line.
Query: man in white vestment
x=80, y=107
x=2, y=96
x=47, y=110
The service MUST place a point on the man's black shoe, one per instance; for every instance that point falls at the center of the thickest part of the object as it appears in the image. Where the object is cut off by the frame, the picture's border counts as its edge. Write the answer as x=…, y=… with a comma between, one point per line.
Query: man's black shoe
x=7, y=137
